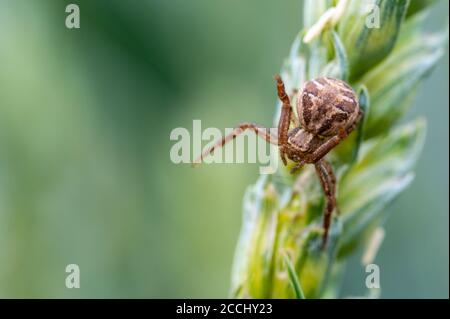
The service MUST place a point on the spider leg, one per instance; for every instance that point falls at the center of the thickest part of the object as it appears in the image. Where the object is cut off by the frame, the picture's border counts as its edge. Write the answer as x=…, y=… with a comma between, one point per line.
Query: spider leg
x=332, y=181
x=285, y=118
x=357, y=122
x=259, y=130
x=327, y=146
x=326, y=181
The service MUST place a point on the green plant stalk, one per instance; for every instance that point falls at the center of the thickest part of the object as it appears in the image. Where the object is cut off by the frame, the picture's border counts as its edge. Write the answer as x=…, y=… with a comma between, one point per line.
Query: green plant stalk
x=278, y=254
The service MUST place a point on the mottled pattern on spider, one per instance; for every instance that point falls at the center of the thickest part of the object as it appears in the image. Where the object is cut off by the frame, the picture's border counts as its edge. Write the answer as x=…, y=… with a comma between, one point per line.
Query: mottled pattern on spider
x=328, y=111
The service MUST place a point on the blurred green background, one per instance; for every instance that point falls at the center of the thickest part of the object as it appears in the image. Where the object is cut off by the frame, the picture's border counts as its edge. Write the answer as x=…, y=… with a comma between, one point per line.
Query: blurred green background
x=85, y=172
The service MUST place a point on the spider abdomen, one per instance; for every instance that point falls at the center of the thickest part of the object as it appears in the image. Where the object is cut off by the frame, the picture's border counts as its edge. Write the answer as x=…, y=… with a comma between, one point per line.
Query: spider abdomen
x=326, y=106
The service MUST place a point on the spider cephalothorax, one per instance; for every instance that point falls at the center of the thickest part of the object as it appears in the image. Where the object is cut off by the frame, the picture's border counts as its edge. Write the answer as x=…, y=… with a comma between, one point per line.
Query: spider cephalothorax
x=328, y=111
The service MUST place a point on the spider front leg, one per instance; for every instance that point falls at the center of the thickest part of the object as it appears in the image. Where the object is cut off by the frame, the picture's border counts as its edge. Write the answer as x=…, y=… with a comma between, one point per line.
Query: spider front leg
x=328, y=183
x=327, y=146
x=259, y=130
x=321, y=151
x=285, y=118
x=332, y=181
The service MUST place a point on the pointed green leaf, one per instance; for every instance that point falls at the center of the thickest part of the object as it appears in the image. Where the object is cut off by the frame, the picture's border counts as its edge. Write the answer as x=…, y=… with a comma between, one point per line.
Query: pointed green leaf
x=341, y=56
x=293, y=279
x=369, y=30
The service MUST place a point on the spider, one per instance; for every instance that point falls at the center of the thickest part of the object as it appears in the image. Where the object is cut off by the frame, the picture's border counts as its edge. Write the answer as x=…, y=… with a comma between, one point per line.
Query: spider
x=328, y=111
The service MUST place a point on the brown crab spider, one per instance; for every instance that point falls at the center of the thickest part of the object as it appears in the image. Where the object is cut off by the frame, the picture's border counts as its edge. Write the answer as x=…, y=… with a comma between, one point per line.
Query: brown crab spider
x=328, y=111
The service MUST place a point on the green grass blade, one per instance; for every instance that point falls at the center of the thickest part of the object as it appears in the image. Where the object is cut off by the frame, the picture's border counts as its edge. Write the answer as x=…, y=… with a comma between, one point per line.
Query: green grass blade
x=293, y=278
x=341, y=56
